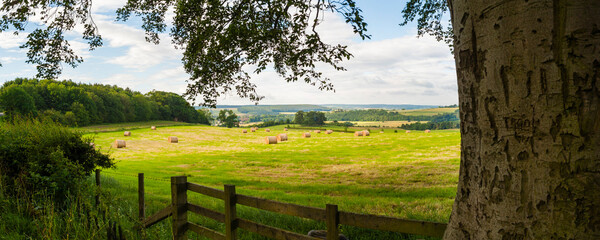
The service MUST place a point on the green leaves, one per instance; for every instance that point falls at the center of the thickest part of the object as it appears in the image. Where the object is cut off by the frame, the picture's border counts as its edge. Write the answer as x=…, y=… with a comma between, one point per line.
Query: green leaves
x=227, y=118
x=429, y=14
x=46, y=45
x=226, y=41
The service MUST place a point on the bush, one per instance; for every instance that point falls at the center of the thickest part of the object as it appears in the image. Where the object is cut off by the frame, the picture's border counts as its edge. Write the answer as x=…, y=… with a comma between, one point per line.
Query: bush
x=44, y=157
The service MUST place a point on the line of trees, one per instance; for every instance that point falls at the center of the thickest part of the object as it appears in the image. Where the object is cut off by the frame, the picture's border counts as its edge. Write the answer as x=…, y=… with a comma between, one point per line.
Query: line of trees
x=431, y=126
x=78, y=104
x=269, y=123
x=228, y=118
x=276, y=109
x=385, y=115
x=373, y=115
x=311, y=118
x=266, y=118
x=438, y=122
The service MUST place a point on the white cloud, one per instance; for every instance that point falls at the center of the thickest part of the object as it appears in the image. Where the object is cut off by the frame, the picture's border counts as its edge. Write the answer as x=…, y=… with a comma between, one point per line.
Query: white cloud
x=170, y=80
x=139, y=55
x=166, y=79
x=10, y=40
x=107, y=5
x=81, y=49
x=399, y=70
x=6, y=60
x=124, y=80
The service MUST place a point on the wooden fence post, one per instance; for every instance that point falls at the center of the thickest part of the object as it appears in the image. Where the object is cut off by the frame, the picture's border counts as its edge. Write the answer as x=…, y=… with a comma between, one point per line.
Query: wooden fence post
x=141, y=200
x=98, y=187
x=333, y=220
x=179, y=207
x=230, y=213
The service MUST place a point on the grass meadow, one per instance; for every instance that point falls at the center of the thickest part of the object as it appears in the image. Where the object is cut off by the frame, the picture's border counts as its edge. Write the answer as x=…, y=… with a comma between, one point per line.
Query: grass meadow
x=406, y=175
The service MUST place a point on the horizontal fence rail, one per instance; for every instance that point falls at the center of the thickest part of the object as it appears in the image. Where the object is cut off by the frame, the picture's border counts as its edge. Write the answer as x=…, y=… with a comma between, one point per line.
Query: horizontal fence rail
x=157, y=217
x=283, y=208
x=330, y=215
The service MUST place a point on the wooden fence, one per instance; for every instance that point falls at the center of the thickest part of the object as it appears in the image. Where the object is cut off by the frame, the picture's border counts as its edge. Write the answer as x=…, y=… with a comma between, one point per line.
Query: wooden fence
x=179, y=208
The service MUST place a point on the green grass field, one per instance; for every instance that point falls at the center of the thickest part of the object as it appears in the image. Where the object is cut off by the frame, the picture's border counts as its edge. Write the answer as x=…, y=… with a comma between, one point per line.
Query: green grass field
x=402, y=175
x=130, y=126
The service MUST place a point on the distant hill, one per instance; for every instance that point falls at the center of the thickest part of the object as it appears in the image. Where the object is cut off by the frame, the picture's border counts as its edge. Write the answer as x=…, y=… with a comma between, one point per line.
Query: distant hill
x=273, y=109
x=378, y=106
x=257, y=110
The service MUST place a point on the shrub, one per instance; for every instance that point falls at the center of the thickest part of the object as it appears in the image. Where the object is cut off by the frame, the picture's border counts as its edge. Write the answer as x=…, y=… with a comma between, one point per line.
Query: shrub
x=44, y=157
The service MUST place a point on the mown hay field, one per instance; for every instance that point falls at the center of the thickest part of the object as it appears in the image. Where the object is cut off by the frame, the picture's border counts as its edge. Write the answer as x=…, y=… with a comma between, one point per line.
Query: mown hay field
x=407, y=175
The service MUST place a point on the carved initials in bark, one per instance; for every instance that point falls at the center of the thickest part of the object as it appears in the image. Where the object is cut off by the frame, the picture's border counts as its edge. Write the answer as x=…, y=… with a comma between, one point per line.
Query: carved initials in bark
x=528, y=76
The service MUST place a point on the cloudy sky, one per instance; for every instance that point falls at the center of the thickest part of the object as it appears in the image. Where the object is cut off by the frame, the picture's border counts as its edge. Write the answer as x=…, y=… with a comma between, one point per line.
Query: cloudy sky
x=394, y=67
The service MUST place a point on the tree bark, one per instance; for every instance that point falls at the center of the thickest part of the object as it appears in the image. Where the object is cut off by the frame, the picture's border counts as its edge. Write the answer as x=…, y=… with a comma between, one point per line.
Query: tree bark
x=529, y=92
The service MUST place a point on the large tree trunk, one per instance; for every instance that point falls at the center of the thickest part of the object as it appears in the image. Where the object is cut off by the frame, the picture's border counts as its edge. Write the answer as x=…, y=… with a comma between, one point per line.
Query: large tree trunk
x=528, y=78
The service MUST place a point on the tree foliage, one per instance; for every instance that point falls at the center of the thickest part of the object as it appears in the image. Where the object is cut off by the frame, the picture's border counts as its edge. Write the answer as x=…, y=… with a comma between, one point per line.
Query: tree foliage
x=76, y=104
x=15, y=101
x=228, y=118
x=299, y=117
x=431, y=125
x=46, y=45
x=45, y=158
x=219, y=38
x=373, y=115
x=429, y=14
x=312, y=118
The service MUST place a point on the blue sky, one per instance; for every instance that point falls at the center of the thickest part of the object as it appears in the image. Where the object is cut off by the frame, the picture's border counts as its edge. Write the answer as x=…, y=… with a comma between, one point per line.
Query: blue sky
x=394, y=67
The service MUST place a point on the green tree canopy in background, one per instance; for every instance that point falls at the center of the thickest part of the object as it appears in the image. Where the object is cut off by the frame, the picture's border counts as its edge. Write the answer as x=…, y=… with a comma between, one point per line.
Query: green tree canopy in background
x=314, y=118
x=228, y=118
x=16, y=101
x=77, y=104
x=299, y=117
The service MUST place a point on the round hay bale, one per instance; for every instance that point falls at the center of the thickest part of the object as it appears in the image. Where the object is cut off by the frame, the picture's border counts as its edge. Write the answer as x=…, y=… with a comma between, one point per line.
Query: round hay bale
x=366, y=133
x=282, y=137
x=267, y=130
x=119, y=144
x=318, y=131
x=127, y=133
x=173, y=139
x=407, y=131
x=285, y=129
x=329, y=131
x=244, y=131
x=380, y=131
x=427, y=131
x=358, y=133
x=306, y=135
x=153, y=128
x=271, y=140
x=252, y=130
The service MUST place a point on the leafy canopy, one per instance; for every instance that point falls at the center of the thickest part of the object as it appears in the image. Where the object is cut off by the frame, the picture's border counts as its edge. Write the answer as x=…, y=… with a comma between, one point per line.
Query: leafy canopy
x=223, y=41
x=228, y=118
